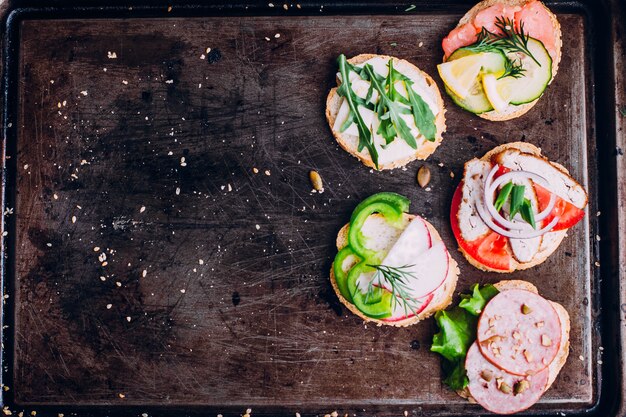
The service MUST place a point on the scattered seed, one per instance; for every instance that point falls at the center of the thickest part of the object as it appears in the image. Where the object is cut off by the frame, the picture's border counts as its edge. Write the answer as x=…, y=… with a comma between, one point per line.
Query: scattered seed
x=505, y=388
x=521, y=386
x=528, y=356
x=144, y=273
x=526, y=309
x=109, y=306
x=142, y=209
x=73, y=219
x=111, y=55
x=423, y=176
x=316, y=181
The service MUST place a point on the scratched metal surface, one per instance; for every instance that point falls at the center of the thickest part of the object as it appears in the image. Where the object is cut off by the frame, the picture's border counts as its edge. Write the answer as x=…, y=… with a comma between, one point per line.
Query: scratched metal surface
x=214, y=290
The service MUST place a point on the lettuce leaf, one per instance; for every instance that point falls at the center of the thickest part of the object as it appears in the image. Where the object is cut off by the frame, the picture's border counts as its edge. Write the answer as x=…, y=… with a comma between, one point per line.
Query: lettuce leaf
x=475, y=303
x=457, y=331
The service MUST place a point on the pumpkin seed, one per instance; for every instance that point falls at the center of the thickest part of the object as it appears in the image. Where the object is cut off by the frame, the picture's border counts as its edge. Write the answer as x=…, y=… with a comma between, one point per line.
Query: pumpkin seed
x=316, y=181
x=423, y=176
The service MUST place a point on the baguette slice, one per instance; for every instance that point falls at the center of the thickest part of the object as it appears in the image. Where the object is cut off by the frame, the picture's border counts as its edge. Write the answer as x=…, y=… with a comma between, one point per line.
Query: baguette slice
x=552, y=240
x=443, y=295
x=516, y=111
x=350, y=143
x=561, y=357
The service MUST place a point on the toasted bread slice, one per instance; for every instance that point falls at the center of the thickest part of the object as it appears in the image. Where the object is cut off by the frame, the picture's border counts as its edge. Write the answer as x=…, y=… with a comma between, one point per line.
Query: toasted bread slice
x=350, y=142
x=516, y=111
x=551, y=240
x=443, y=295
x=561, y=357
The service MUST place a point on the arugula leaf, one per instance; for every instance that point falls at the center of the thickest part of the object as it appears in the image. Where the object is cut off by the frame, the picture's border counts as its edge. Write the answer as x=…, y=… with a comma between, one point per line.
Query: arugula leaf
x=475, y=303
x=527, y=213
x=517, y=199
x=503, y=196
x=344, y=90
x=422, y=114
x=457, y=331
x=389, y=113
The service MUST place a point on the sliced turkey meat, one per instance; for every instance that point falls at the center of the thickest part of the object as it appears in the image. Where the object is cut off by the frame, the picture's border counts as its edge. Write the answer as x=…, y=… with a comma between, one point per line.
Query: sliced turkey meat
x=471, y=225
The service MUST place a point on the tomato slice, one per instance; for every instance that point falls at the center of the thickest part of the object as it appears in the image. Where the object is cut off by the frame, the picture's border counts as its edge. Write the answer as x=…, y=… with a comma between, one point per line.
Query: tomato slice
x=568, y=213
x=490, y=250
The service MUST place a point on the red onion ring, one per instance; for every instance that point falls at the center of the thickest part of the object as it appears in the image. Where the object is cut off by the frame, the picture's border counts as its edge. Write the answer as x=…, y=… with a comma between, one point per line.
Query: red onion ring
x=488, y=212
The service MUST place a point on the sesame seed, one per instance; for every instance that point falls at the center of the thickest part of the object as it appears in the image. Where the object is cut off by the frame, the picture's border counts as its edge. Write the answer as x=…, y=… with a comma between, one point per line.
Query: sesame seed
x=142, y=209
x=109, y=306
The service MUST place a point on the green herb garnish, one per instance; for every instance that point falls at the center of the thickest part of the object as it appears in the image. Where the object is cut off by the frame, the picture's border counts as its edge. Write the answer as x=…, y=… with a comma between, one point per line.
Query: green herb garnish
x=345, y=90
x=411, y=7
x=388, y=110
x=517, y=199
x=397, y=278
x=518, y=203
x=503, y=196
x=457, y=332
x=527, y=213
x=509, y=40
x=391, y=104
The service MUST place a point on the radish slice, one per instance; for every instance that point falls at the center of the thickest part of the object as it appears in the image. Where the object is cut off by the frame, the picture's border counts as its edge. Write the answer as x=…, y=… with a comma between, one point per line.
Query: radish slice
x=424, y=274
x=413, y=241
x=400, y=314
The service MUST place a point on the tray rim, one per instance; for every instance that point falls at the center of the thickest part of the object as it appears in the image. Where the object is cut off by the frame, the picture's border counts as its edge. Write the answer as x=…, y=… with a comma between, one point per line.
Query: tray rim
x=12, y=12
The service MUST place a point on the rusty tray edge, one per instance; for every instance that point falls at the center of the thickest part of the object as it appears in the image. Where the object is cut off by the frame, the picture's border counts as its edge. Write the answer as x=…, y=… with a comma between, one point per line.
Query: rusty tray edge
x=608, y=46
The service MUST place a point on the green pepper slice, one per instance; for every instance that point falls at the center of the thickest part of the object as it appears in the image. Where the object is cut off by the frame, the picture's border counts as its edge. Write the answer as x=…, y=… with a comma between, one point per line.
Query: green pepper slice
x=399, y=202
x=341, y=277
x=377, y=306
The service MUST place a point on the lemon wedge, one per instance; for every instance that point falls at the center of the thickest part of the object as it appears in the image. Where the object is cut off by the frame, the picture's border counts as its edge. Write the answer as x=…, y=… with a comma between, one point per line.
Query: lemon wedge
x=460, y=74
x=498, y=91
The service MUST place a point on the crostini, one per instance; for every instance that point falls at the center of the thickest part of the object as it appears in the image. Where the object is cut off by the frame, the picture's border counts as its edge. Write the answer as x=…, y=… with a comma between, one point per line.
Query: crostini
x=503, y=345
x=392, y=268
x=501, y=57
x=385, y=111
x=513, y=208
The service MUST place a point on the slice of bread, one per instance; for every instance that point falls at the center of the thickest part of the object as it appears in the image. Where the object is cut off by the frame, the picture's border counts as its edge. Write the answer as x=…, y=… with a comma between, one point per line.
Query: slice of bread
x=443, y=295
x=555, y=237
x=561, y=357
x=516, y=111
x=350, y=143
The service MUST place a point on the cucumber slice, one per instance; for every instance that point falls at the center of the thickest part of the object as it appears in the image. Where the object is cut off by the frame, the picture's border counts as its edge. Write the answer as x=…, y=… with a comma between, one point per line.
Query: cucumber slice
x=522, y=90
x=536, y=78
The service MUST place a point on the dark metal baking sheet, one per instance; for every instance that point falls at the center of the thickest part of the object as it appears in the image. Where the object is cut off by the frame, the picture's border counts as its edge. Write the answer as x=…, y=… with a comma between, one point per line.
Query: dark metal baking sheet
x=235, y=310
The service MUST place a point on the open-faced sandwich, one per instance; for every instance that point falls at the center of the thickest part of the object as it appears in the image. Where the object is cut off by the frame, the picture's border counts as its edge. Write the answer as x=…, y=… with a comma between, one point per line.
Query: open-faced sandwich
x=392, y=267
x=513, y=208
x=501, y=57
x=385, y=111
x=503, y=345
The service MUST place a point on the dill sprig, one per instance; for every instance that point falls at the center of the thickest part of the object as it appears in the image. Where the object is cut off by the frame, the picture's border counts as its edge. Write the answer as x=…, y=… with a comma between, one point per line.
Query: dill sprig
x=508, y=40
x=397, y=278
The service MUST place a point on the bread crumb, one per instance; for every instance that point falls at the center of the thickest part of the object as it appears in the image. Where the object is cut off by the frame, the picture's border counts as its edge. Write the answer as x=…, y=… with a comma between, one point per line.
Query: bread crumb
x=84, y=92
x=111, y=55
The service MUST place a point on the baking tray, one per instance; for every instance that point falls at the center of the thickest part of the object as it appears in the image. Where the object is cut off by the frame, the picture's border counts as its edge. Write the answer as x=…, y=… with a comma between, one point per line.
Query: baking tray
x=214, y=296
